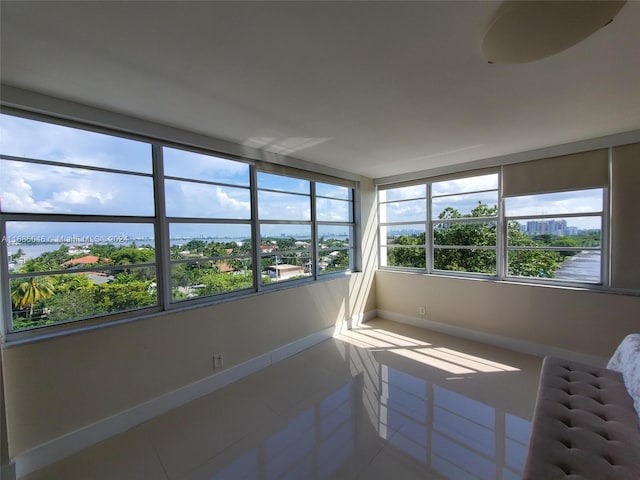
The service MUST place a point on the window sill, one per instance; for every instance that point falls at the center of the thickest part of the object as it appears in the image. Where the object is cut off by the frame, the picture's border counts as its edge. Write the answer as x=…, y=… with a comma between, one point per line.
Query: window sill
x=514, y=281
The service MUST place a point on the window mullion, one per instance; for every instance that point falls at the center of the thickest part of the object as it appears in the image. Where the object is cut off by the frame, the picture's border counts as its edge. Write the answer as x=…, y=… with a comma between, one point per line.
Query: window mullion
x=255, y=230
x=162, y=242
x=428, y=233
x=501, y=235
x=5, y=294
x=315, y=264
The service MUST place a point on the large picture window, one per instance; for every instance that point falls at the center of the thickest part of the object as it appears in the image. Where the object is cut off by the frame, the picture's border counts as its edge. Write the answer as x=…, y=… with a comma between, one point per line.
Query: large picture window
x=95, y=224
x=556, y=235
x=464, y=223
x=78, y=223
x=286, y=241
x=403, y=220
x=448, y=225
x=208, y=208
x=334, y=211
x=537, y=228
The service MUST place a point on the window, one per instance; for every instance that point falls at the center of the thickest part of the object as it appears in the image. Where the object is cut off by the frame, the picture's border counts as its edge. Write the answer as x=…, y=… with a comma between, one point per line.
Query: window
x=554, y=216
x=540, y=229
x=464, y=213
x=78, y=220
x=97, y=224
x=456, y=233
x=284, y=213
x=208, y=207
x=403, y=218
x=556, y=235
x=334, y=207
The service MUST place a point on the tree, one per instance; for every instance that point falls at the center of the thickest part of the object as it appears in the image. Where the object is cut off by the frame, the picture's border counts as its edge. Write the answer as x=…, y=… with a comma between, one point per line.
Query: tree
x=477, y=234
x=17, y=255
x=71, y=305
x=225, y=282
x=26, y=294
x=195, y=246
x=47, y=260
x=530, y=263
x=408, y=257
x=116, y=297
x=102, y=251
x=131, y=255
x=482, y=233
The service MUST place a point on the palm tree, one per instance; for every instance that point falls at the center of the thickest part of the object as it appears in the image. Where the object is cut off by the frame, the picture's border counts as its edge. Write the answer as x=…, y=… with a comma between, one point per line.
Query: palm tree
x=26, y=294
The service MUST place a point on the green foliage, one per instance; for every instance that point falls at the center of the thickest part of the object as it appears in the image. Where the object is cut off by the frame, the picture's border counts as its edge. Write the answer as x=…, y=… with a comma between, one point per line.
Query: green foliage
x=116, y=297
x=535, y=263
x=25, y=294
x=408, y=257
x=132, y=256
x=47, y=261
x=19, y=253
x=102, y=251
x=72, y=305
x=476, y=234
x=225, y=282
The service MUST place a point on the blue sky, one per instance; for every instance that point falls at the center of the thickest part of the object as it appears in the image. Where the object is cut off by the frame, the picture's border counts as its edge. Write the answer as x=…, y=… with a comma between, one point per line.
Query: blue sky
x=32, y=188
x=409, y=204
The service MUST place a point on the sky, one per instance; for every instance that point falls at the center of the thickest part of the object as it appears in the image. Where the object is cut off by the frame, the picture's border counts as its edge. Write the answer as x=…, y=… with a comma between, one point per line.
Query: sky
x=61, y=189
x=409, y=204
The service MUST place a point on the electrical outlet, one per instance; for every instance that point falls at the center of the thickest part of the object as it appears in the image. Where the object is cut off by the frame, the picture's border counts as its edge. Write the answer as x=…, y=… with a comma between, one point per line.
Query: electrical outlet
x=422, y=310
x=218, y=360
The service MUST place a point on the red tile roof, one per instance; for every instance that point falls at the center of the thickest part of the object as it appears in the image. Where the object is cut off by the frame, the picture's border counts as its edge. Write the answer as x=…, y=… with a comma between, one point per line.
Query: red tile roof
x=86, y=260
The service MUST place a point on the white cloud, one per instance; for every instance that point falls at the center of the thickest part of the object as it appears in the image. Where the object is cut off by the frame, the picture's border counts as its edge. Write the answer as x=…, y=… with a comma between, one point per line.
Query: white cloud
x=82, y=197
x=467, y=184
x=227, y=202
x=18, y=196
x=37, y=140
x=180, y=163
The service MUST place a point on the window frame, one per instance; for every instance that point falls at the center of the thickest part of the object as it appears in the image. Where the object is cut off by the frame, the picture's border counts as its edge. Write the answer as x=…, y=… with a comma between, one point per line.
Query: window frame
x=501, y=221
x=384, y=246
x=604, y=254
x=161, y=223
x=429, y=223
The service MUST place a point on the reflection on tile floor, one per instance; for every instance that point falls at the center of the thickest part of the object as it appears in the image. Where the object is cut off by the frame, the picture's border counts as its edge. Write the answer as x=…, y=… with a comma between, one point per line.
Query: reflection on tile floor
x=378, y=402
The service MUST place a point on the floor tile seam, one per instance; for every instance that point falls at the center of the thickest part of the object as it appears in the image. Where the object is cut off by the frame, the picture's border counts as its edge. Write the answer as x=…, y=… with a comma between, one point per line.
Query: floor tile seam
x=158, y=458
x=188, y=473
x=209, y=458
x=379, y=450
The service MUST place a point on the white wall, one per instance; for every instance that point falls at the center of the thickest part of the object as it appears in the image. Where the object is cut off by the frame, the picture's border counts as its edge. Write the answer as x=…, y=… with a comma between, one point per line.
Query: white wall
x=58, y=385
x=586, y=322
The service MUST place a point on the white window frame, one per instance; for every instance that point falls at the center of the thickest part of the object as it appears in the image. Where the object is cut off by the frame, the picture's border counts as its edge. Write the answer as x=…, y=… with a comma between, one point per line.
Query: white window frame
x=502, y=248
x=604, y=252
x=161, y=221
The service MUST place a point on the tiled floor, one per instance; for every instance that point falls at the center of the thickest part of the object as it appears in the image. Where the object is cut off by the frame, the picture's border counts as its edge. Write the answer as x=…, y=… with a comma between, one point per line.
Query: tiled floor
x=385, y=401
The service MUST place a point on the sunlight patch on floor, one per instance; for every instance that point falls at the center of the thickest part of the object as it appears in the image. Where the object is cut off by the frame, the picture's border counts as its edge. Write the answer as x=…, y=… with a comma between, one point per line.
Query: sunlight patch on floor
x=443, y=358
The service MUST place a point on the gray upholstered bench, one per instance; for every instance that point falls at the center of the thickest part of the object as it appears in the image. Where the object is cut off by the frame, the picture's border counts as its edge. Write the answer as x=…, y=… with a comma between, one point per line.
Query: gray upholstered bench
x=584, y=424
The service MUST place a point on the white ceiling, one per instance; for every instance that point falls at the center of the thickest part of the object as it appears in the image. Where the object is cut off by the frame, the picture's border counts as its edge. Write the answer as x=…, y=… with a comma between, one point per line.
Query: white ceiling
x=376, y=89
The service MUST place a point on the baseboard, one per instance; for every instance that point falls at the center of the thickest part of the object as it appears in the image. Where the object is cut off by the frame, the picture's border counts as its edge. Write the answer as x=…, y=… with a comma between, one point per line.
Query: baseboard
x=72, y=442
x=8, y=472
x=509, y=343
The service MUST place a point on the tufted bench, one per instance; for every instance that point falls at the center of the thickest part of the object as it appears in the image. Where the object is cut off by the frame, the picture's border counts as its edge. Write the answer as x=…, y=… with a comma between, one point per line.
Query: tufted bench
x=584, y=425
